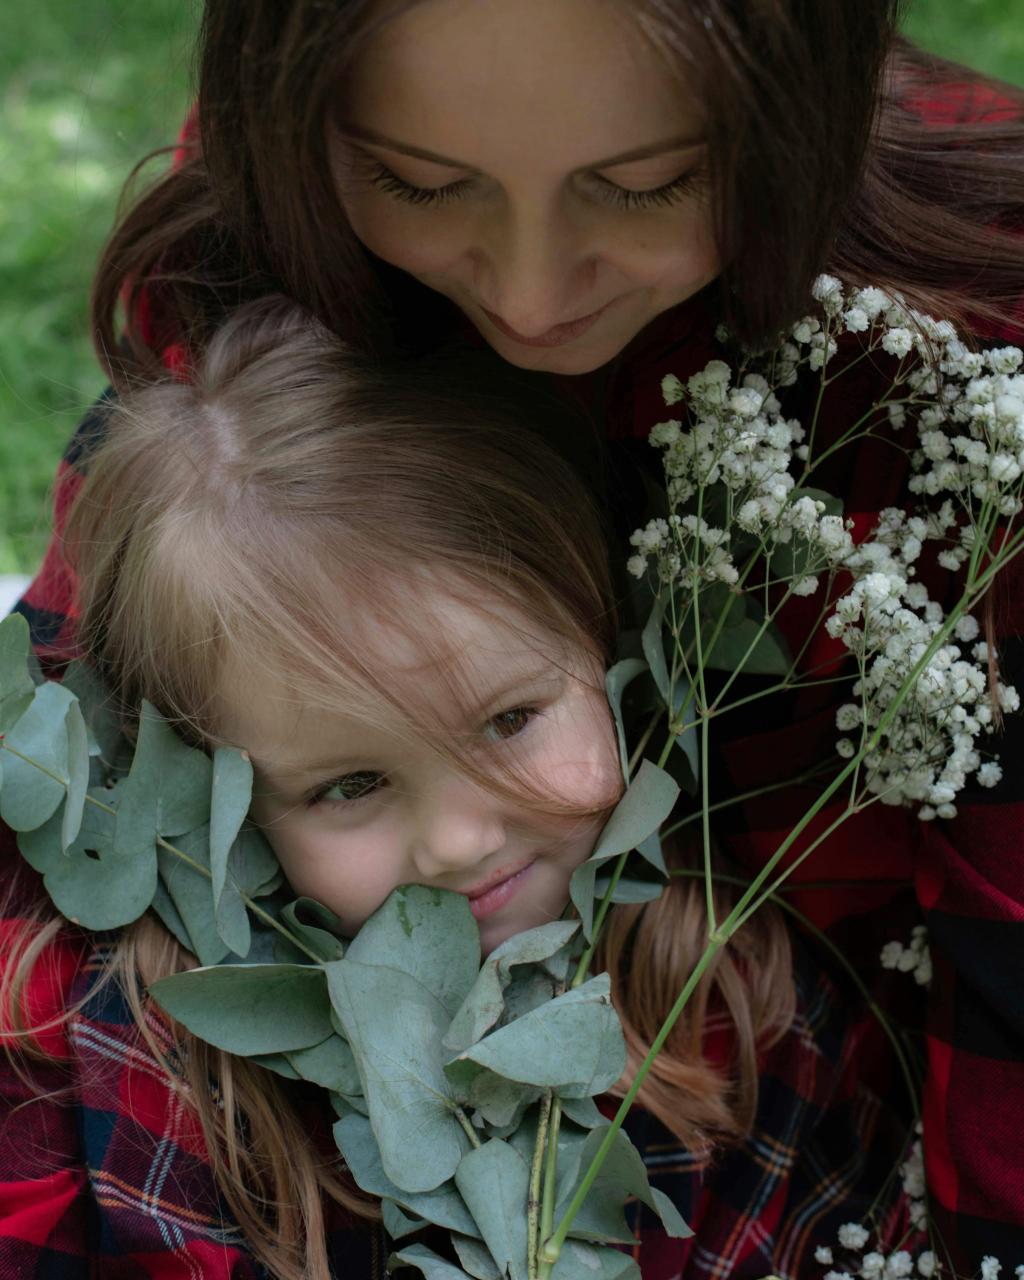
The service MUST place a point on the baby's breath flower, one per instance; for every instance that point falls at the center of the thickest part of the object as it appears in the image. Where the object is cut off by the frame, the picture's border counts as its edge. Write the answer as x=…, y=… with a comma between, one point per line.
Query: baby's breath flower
x=990, y=1267
x=898, y=1264
x=823, y=1254
x=872, y=1265
x=927, y=1263
x=853, y=1236
x=672, y=390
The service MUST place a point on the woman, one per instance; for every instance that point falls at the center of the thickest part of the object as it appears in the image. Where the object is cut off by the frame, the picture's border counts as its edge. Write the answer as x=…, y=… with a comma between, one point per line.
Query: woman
x=590, y=187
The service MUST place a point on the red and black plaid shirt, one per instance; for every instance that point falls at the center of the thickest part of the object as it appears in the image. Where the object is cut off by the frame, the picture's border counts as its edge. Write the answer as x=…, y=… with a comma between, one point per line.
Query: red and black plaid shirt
x=104, y=1172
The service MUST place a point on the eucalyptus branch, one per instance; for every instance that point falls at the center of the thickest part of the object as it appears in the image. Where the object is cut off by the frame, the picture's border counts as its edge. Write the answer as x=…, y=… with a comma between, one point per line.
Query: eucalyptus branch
x=533, y=1204
x=180, y=854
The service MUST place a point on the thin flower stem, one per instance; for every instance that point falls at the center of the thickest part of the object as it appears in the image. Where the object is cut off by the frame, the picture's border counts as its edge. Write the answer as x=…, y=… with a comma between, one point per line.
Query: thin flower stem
x=720, y=936
x=796, y=781
x=189, y=861
x=599, y=918
x=851, y=972
x=533, y=1204
x=552, y=1246
x=637, y=755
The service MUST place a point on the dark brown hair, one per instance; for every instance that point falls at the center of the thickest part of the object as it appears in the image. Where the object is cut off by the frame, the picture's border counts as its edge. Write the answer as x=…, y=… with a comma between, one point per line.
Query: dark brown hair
x=821, y=153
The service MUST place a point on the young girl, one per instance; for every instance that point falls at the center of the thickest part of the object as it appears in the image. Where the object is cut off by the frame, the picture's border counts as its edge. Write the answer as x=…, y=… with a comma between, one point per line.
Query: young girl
x=396, y=598
x=590, y=187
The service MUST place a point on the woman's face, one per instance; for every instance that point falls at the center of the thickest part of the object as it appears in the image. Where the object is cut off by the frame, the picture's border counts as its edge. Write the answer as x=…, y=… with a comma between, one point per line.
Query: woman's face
x=535, y=162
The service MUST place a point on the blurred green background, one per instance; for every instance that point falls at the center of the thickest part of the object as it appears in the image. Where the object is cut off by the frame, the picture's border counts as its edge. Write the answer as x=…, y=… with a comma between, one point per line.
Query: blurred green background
x=87, y=87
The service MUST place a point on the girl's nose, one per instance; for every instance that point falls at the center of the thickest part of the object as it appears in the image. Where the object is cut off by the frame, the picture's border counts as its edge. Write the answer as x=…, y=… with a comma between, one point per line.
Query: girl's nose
x=458, y=826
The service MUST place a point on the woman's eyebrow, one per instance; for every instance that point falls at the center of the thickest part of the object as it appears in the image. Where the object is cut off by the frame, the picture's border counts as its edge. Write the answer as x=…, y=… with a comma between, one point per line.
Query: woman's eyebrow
x=421, y=153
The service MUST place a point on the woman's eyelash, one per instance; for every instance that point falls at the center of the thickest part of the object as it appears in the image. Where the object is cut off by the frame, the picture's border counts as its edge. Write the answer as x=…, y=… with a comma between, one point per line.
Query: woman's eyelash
x=621, y=197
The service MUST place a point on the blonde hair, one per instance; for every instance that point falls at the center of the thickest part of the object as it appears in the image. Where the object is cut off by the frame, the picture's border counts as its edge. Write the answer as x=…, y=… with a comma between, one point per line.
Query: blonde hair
x=237, y=515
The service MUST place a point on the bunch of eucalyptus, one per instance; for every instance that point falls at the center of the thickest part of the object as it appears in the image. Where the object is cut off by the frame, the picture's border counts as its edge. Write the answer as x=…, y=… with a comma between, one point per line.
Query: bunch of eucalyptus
x=464, y=1092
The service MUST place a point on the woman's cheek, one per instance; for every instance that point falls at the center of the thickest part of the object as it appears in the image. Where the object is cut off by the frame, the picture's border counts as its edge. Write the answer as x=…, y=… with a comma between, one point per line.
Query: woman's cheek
x=405, y=237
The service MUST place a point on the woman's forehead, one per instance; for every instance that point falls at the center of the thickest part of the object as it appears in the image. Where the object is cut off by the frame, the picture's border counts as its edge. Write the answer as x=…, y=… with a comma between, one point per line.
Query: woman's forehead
x=563, y=84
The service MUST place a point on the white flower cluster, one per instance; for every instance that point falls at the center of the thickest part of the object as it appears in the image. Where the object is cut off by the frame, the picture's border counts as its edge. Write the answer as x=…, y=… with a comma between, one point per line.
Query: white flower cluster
x=971, y=432
x=739, y=445
x=915, y=958
x=887, y=620
x=853, y=1238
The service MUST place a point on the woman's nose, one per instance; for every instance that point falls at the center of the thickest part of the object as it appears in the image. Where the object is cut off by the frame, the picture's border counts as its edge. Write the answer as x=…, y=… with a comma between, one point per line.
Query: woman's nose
x=535, y=271
x=458, y=826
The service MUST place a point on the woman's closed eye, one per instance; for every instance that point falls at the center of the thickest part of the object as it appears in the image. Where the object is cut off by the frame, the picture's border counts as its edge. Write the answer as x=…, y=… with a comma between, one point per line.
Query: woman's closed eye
x=610, y=192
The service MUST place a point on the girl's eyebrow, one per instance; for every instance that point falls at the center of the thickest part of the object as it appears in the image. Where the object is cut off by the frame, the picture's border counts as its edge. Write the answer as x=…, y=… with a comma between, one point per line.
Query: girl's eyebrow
x=421, y=153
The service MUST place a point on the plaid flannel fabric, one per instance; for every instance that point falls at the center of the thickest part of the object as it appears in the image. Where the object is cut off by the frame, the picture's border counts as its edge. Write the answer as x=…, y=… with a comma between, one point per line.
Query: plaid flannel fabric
x=103, y=1170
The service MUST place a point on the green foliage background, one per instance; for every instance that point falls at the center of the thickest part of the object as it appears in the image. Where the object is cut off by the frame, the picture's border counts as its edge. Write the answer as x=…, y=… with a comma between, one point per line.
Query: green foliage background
x=87, y=87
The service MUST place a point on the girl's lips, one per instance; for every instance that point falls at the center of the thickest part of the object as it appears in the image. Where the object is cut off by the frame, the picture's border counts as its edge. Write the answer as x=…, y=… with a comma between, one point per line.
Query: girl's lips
x=495, y=895
x=554, y=337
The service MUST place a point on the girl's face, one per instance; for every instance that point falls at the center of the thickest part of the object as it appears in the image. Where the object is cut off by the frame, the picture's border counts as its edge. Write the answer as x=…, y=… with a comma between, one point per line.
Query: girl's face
x=354, y=811
x=535, y=162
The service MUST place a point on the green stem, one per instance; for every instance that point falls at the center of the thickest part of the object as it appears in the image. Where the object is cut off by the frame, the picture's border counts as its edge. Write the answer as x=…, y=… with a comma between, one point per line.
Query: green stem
x=552, y=1247
x=533, y=1203
x=547, y=1208
x=467, y=1126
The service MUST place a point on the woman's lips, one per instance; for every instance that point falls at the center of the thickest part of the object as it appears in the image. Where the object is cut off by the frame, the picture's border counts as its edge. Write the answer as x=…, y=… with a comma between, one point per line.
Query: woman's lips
x=492, y=896
x=554, y=337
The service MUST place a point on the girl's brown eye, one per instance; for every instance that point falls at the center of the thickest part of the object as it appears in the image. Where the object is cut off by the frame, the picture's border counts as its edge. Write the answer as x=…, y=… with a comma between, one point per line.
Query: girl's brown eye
x=506, y=724
x=353, y=786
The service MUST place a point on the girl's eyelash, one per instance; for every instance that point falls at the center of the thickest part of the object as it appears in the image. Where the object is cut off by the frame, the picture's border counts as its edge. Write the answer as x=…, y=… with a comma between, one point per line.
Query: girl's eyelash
x=364, y=783
x=621, y=197
x=498, y=728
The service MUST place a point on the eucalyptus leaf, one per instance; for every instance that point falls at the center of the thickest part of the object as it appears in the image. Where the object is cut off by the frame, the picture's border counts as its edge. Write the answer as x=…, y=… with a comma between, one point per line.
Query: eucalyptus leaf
x=653, y=643
x=769, y=655
x=476, y=1258
x=573, y=1043
x=276, y=1062
x=189, y=891
x=427, y=1261
x=395, y=1025
x=494, y=1181
x=647, y=803
x=249, y=1009
x=398, y=1224
x=622, y=1177
x=582, y=1111
x=485, y=1003
x=167, y=791
x=106, y=739
x=16, y=685
x=442, y=1206
x=619, y=676
x=33, y=791
x=321, y=938
x=427, y=933
x=330, y=1063
x=500, y=1102
x=78, y=775
x=230, y=797
x=91, y=884
x=594, y=1262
